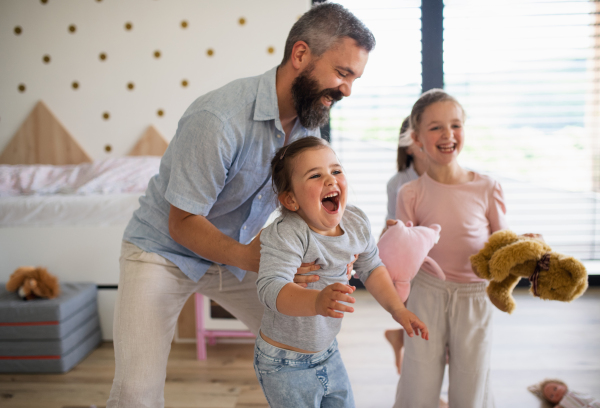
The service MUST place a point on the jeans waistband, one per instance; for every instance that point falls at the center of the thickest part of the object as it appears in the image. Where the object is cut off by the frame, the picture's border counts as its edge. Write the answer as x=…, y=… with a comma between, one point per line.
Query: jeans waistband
x=290, y=357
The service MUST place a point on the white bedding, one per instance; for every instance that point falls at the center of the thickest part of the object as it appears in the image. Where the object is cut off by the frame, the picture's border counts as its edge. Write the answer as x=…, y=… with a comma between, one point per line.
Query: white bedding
x=110, y=176
x=101, y=193
x=68, y=210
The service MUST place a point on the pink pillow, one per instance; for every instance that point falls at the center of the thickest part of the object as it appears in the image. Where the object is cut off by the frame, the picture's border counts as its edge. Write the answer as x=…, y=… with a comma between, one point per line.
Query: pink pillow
x=404, y=248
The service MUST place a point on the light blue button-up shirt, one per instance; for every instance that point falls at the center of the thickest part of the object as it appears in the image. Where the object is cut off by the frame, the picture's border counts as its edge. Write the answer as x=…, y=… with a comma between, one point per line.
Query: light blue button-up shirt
x=217, y=166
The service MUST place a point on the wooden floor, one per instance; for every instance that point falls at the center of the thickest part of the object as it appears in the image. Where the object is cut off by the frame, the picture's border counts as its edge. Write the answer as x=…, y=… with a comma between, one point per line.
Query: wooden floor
x=541, y=339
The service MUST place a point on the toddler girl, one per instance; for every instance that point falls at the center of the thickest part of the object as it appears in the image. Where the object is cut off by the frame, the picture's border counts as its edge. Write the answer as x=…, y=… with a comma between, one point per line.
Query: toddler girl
x=469, y=207
x=296, y=357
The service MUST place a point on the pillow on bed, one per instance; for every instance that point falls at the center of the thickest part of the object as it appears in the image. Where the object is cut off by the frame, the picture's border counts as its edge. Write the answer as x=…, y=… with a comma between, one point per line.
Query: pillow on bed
x=120, y=175
x=110, y=176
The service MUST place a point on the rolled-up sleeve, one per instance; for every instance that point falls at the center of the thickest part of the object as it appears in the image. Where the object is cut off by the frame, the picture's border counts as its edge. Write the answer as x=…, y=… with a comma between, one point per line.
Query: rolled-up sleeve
x=202, y=154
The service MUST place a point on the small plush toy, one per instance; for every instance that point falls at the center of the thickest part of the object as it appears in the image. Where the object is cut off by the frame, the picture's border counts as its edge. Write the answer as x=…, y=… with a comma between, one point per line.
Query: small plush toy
x=507, y=257
x=404, y=248
x=32, y=283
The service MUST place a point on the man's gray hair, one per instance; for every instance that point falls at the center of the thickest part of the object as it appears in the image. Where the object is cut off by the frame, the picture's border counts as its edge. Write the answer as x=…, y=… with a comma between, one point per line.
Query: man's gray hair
x=324, y=25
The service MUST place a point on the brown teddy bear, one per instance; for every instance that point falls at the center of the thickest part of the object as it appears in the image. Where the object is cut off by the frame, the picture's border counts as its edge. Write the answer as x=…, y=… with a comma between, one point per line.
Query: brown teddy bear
x=32, y=283
x=507, y=257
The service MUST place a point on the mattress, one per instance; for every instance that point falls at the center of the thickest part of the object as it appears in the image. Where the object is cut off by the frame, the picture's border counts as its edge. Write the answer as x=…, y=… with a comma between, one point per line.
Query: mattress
x=68, y=210
x=102, y=193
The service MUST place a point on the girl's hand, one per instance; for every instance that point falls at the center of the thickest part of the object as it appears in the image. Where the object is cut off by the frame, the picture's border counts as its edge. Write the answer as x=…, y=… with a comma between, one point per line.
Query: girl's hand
x=388, y=223
x=350, y=266
x=328, y=299
x=532, y=235
x=411, y=323
x=304, y=280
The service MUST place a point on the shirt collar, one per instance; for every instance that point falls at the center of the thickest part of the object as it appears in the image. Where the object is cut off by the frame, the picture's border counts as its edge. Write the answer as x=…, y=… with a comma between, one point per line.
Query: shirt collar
x=266, y=98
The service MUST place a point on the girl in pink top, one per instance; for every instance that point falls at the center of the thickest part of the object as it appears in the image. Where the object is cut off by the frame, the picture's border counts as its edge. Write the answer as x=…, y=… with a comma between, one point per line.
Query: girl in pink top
x=469, y=207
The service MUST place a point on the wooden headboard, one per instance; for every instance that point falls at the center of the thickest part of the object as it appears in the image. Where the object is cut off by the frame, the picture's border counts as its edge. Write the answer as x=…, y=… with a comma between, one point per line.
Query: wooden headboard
x=42, y=139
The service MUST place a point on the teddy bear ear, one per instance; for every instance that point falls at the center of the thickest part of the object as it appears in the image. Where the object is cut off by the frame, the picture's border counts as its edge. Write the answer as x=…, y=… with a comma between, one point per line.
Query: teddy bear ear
x=15, y=281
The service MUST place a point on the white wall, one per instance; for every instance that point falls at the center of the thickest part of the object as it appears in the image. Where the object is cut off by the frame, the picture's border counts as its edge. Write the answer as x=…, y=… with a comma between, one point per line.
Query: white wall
x=239, y=51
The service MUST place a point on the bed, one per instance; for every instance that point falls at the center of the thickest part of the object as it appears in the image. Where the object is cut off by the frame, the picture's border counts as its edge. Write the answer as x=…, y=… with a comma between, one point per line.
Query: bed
x=47, y=218
x=61, y=210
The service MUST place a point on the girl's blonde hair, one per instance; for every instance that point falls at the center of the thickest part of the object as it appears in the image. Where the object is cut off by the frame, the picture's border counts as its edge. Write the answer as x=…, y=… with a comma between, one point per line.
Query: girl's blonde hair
x=429, y=98
x=282, y=164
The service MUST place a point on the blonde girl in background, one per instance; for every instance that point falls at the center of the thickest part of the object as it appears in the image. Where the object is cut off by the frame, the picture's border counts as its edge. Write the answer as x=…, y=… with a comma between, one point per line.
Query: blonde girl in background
x=411, y=162
x=469, y=207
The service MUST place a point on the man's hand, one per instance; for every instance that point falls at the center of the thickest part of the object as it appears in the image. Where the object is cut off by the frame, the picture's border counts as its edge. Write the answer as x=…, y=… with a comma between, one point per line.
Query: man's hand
x=252, y=258
x=328, y=299
x=304, y=280
x=411, y=323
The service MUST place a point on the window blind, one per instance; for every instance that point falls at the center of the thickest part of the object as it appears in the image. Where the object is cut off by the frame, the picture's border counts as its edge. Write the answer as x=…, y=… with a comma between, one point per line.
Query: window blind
x=364, y=127
x=527, y=73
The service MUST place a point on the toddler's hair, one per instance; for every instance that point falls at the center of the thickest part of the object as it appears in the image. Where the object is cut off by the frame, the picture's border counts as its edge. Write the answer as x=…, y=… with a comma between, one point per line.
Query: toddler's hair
x=429, y=98
x=283, y=162
x=404, y=159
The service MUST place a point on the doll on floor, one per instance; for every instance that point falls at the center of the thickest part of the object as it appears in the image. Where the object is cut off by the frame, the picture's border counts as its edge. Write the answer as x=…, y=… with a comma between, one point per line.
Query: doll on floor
x=556, y=392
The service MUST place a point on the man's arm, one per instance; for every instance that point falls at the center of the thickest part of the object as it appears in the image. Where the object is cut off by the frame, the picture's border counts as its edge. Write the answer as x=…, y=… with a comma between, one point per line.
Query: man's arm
x=199, y=235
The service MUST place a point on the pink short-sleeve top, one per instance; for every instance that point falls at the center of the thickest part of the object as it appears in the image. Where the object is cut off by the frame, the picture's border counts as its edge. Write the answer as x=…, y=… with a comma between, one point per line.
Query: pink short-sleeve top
x=468, y=214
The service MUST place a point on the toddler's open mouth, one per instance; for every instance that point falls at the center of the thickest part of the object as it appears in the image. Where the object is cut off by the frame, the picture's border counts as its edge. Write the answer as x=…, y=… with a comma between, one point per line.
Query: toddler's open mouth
x=331, y=202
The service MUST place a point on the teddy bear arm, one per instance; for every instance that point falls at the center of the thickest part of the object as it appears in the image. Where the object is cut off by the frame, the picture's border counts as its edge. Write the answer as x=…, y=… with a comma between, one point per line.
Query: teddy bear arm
x=480, y=261
x=500, y=293
x=479, y=264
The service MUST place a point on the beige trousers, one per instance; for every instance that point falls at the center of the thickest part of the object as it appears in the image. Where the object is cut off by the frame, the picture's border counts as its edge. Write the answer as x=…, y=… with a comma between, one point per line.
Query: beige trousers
x=459, y=318
x=152, y=292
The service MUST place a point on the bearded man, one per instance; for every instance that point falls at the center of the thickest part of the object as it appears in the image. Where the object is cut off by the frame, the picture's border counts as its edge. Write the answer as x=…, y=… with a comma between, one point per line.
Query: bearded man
x=194, y=229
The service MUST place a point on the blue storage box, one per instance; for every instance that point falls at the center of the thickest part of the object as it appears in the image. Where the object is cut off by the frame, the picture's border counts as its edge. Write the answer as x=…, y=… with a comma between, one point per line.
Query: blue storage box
x=48, y=335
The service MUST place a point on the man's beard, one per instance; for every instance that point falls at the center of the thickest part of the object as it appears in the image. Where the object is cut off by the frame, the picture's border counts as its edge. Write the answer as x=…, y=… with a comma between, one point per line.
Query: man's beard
x=307, y=99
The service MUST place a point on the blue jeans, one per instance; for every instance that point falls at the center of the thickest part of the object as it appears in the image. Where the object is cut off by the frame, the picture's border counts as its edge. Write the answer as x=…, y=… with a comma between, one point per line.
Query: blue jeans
x=300, y=380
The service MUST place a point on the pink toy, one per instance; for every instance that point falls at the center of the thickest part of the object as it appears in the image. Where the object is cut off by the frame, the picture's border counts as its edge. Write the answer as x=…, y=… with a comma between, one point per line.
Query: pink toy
x=404, y=248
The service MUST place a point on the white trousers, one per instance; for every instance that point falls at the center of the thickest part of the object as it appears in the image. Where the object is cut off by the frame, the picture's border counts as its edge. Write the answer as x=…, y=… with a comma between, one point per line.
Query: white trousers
x=152, y=292
x=459, y=319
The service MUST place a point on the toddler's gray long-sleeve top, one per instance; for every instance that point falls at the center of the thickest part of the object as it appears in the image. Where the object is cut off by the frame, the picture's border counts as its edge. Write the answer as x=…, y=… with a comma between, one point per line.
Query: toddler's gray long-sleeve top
x=288, y=242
